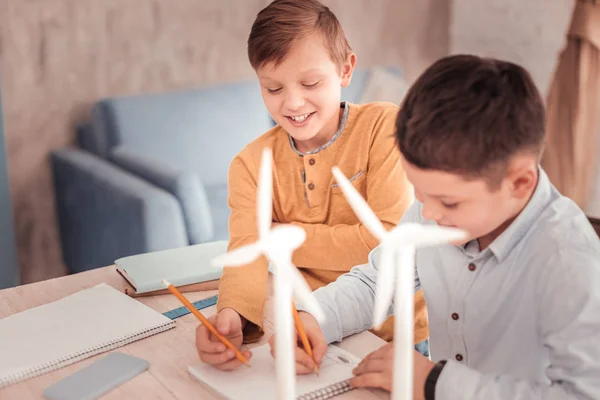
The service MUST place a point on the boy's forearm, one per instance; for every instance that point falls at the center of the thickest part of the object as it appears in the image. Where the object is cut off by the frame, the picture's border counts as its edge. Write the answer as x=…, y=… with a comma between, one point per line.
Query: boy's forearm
x=348, y=303
x=245, y=291
x=334, y=248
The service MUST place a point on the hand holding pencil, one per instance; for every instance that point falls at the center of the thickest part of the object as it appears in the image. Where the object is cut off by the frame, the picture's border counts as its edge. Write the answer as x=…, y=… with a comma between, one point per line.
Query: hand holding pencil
x=310, y=341
x=219, y=337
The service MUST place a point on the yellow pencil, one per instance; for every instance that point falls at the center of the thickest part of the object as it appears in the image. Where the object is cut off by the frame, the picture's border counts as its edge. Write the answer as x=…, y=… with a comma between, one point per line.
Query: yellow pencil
x=205, y=321
x=303, y=337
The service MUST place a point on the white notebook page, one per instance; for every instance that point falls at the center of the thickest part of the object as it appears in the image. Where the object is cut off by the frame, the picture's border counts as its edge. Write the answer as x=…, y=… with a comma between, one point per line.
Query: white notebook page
x=75, y=327
x=337, y=366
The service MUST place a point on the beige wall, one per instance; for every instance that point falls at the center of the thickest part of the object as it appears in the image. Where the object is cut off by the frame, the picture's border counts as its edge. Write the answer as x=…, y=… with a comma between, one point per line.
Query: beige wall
x=528, y=32
x=58, y=56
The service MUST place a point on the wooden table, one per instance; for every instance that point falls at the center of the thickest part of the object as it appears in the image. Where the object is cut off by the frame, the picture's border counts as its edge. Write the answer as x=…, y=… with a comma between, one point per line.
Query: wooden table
x=169, y=353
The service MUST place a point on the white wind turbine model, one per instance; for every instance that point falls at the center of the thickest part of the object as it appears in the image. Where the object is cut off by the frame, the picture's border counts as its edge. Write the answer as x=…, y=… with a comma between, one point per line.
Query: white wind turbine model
x=277, y=245
x=400, y=244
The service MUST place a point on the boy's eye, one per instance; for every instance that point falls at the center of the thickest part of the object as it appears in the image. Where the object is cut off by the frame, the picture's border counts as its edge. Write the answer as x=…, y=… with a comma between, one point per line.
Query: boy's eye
x=450, y=205
x=311, y=85
x=274, y=90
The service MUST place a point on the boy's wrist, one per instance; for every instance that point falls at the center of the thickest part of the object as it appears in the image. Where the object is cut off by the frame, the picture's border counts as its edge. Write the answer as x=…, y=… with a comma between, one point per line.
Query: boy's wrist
x=243, y=321
x=431, y=380
x=300, y=312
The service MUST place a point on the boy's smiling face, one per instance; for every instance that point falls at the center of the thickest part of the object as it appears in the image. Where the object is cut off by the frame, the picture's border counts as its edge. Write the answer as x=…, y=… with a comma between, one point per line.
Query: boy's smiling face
x=303, y=92
x=453, y=201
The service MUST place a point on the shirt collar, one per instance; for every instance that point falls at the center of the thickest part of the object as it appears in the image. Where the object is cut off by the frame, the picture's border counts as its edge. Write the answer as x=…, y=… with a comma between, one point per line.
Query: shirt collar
x=346, y=108
x=513, y=234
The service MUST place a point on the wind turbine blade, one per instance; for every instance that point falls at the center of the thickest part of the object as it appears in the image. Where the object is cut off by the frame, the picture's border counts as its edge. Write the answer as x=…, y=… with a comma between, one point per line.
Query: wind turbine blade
x=238, y=257
x=287, y=237
x=302, y=291
x=431, y=235
x=360, y=206
x=385, y=286
x=265, y=187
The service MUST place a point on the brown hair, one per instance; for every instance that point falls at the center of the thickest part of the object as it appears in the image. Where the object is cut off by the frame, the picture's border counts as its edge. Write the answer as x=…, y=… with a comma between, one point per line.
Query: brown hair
x=283, y=22
x=470, y=115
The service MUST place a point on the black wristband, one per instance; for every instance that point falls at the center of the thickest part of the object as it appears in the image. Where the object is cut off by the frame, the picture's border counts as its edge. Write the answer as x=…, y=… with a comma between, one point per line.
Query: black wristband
x=432, y=380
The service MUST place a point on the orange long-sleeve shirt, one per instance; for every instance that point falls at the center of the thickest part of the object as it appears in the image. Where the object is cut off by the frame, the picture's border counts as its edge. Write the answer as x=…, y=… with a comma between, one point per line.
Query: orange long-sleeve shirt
x=305, y=193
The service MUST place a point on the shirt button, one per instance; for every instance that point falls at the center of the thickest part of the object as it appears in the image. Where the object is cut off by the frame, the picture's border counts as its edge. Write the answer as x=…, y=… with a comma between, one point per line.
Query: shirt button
x=311, y=186
x=312, y=161
x=472, y=267
x=455, y=316
x=458, y=357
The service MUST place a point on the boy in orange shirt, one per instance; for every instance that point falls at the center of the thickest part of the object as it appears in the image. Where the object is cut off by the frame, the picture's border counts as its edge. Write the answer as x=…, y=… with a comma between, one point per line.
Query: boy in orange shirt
x=302, y=60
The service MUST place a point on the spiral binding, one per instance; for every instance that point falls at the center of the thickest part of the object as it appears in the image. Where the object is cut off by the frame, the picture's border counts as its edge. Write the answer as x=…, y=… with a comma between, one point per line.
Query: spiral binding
x=327, y=392
x=75, y=357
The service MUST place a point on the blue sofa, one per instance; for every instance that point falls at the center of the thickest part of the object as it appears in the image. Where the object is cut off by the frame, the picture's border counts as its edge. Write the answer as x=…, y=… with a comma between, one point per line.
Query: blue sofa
x=149, y=172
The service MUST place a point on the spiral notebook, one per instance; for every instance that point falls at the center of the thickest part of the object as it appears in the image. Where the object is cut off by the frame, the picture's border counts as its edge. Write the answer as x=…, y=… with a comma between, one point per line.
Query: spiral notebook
x=86, y=323
x=334, y=373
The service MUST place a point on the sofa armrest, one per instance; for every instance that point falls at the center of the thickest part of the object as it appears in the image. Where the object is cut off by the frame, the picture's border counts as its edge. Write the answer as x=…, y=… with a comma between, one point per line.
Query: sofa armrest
x=105, y=213
x=186, y=186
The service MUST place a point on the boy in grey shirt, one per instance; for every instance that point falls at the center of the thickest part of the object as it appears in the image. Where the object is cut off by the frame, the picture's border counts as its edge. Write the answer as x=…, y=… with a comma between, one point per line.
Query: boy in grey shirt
x=514, y=311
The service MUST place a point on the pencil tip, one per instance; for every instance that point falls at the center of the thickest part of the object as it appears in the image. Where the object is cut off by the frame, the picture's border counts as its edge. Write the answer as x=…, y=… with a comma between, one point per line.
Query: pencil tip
x=166, y=282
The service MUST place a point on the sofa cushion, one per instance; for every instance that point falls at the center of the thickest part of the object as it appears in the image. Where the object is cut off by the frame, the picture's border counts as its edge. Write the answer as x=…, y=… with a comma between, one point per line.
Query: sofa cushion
x=198, y=130
x=105, y=212
x=217, y=199
x=186, y=186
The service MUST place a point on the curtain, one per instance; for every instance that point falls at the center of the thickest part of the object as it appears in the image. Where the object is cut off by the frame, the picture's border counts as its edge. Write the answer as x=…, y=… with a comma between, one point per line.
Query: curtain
x=573, y=107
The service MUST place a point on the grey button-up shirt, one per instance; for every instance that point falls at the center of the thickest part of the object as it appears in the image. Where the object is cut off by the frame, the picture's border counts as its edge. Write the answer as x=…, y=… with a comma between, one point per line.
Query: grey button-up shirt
x=518, y=320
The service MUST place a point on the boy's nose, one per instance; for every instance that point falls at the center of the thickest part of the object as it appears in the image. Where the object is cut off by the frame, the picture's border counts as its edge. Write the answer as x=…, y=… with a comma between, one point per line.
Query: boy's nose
x=293, y=100
x=430, y=213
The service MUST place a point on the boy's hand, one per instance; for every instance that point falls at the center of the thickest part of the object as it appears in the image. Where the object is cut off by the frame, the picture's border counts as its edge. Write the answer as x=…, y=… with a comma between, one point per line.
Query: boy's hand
x=376, y=371
x=210, y=349
x=305, y=364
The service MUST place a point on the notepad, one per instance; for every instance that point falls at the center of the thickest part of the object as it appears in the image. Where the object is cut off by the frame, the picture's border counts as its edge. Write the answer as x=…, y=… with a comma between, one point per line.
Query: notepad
x=334, y=373
x=86, y=323
x=180, y=266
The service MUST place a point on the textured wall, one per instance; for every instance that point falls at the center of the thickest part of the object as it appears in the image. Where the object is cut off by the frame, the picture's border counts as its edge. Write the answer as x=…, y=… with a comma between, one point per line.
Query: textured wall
x=9, y=273
x=58, y=56
x=529, y=32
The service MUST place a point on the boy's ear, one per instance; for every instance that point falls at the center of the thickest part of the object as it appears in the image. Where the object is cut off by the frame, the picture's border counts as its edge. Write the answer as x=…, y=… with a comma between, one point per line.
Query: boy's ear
x=523, y=179
x=347, y=69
